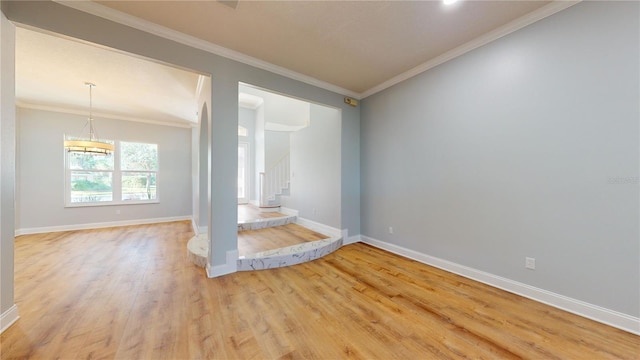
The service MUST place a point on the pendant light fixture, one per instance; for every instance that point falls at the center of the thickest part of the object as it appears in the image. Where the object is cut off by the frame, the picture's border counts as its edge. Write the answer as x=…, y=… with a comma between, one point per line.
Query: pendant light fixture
x=91, y=145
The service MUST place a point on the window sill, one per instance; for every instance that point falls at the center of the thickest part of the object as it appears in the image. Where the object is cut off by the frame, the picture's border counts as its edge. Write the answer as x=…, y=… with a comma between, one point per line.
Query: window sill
x=111, y=203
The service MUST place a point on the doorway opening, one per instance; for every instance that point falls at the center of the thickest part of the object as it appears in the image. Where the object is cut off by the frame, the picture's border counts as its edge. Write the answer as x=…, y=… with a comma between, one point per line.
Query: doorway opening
x=289, y=153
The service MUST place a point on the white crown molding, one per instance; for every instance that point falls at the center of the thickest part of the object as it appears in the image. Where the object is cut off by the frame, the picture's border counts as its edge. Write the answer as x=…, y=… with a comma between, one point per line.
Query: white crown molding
x=493, y=35
x=159, y=30
x=606, y=316
x=59, y=109
x=147, y=26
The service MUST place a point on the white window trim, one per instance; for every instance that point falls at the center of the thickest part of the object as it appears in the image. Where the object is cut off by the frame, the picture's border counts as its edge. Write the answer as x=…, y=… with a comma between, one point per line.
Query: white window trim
x=116, y=186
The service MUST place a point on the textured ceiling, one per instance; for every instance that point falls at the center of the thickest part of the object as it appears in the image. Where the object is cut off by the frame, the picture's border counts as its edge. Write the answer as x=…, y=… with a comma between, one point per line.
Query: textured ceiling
x=355, y=45
x=51, y=72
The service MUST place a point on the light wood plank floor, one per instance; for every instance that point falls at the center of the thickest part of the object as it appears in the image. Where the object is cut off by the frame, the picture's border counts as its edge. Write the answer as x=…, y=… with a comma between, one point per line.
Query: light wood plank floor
x=130, y=293
x=253, y=241
x=248, y=212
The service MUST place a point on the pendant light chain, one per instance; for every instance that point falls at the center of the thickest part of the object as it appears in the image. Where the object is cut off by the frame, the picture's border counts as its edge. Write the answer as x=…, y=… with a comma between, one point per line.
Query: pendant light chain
x=92, y=145
x=92, y=132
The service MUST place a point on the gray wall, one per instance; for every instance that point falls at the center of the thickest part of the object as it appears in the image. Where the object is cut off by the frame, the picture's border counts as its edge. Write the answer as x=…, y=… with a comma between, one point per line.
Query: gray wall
x=203, y=169
x=259, y=142
x=41, y=171
x=200, y=159
x=247, y=118
x=315, y=165
x=224, y=106
x=276, y=146
x=527, y=146
x=7, y=161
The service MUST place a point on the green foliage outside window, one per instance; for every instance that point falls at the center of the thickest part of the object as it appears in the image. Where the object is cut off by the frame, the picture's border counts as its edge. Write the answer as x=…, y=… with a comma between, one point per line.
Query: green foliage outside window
x=93, y=178
x=87, y=185
x=139, y=163
x=138, y=156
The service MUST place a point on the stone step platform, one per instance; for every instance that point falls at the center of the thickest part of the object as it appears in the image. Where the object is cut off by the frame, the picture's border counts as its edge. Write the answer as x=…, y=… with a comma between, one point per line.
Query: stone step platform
x=302, y=250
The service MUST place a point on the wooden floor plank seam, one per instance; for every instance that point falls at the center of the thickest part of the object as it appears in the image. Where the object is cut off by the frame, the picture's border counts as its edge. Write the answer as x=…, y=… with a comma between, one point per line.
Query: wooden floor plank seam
x=130, y=293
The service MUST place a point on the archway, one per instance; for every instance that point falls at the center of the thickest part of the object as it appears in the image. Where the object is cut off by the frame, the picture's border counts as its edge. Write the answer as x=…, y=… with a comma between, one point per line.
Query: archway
x=204, y=170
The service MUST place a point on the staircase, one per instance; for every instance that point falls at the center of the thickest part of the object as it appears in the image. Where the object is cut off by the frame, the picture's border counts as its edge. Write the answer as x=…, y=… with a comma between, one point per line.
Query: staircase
x=275, y=183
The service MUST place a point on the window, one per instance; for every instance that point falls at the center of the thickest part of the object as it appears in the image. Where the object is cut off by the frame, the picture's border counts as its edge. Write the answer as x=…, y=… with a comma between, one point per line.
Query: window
x=242, y=131
x=90, y=177
x=139, y=164
x=129, y=175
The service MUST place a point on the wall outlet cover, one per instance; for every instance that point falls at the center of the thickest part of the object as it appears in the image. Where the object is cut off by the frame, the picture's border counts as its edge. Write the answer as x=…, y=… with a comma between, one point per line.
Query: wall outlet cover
x=530, y=263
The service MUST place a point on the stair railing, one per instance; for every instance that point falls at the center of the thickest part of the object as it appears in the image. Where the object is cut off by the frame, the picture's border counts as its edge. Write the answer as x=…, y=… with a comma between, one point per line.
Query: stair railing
x=274, y=180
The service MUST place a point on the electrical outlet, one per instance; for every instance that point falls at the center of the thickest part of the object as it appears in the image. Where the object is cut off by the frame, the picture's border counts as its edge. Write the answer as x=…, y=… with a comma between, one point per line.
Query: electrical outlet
x=118, y=212
x=390, y=229
x=530, y=263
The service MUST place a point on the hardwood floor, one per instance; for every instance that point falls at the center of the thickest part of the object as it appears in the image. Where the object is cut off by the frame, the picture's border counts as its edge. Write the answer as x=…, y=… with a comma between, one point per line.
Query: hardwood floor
x=247, y=212
x=253, y=241
x=130, y=293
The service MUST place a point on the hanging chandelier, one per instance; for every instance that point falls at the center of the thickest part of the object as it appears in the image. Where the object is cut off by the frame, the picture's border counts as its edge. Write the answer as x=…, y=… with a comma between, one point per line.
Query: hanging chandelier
x=91, y=145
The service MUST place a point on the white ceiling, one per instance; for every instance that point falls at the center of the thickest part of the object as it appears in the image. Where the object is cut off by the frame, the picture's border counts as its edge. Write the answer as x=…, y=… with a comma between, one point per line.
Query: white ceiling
x=281, y=113
x=51, y=73
x=355, y=45
x=352, y=47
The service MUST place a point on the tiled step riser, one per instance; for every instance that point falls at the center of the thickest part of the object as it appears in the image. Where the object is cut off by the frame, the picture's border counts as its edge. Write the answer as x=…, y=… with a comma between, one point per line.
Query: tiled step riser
x=198, y=248
x=266, y=223
x=290, y=255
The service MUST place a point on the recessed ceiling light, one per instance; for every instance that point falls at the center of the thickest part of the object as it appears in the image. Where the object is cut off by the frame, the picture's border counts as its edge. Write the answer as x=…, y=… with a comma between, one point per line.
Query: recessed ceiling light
x=449, y=2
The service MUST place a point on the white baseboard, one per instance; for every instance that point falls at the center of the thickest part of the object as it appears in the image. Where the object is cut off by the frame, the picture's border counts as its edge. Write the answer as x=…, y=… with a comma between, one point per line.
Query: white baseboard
x=198, y=229
x=606, y=316
x=351, y=240
x=8, y=318
x=229, y=267
x=47, y=229
x=268, y=209
x=346, y=239
x=288, y=211
x=321, y=228
x=254, y=202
